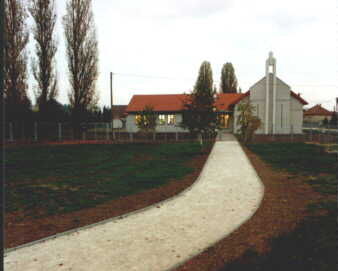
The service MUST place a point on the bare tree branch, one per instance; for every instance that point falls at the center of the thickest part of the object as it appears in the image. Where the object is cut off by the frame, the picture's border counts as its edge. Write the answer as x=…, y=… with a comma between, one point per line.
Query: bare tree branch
x=15, y=83
x=82, y=53
x=43, y=14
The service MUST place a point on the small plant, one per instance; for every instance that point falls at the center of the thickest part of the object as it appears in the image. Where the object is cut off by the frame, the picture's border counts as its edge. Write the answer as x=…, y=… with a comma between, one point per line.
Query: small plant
x=146, y=121
x=248, y=122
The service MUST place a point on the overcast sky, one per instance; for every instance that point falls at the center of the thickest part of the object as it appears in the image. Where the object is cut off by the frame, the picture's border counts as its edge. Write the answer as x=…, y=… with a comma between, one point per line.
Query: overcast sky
x=164, y=42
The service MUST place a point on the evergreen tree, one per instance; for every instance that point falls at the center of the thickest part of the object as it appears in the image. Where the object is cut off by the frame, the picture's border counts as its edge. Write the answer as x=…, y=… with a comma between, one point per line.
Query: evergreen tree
x=199, y=114
x=228, y=79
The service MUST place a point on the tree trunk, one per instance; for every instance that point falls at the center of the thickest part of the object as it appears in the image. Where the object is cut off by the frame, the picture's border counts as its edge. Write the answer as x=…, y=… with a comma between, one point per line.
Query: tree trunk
x=200, y=138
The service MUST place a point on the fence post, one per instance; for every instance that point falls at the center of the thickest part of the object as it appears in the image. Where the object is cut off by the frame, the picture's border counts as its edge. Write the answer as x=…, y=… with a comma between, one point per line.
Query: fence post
x=84, y=135
x=95, y=131
x=11, y=131
x=35, y=131
x=131, y=137
x=291, y=133
x=60, y=131
x=107, y=131
x=23, y=131
x=176, y=136
x=154, y=136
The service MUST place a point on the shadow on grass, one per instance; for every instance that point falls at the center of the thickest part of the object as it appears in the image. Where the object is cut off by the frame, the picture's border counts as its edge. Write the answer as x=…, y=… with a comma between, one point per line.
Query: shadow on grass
x=311, y=246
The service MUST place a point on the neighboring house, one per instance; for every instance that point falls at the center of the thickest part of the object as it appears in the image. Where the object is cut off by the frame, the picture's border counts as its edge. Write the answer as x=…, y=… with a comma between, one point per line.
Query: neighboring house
x=119, y=116
x=284, y=114
x=316, y=115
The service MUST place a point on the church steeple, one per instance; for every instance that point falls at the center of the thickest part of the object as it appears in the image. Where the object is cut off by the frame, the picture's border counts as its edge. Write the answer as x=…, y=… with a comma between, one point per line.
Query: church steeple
x=270, y=63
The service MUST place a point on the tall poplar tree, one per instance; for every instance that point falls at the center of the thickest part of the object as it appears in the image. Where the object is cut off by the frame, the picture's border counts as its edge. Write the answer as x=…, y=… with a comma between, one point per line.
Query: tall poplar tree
x=43, y=14
x=82, y=54
x=228, y=79
x=199, y=114
x=17, y=103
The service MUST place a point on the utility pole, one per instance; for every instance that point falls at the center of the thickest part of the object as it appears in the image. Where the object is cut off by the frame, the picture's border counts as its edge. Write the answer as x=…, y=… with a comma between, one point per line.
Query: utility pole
x=111, y=100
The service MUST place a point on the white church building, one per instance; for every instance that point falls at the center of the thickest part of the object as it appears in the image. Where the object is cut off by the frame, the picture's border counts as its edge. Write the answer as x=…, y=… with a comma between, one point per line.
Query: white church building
x=278, y=107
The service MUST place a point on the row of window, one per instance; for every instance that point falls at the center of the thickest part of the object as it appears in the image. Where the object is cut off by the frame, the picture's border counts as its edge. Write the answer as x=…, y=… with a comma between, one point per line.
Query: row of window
x=163, y=119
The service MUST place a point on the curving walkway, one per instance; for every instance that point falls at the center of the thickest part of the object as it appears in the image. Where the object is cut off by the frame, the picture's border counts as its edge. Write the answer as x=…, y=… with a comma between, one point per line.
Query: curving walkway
x=227, y=193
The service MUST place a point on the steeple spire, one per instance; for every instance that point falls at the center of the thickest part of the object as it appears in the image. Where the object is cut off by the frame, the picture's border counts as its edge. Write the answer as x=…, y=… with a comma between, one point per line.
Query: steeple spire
x=270, y=62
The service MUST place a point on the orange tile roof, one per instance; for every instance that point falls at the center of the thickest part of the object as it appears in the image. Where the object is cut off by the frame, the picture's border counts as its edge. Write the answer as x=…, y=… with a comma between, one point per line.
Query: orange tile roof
x=174, y=102
x=317, y=110
x=225, y=100
x=162, y=102
x=297, y=96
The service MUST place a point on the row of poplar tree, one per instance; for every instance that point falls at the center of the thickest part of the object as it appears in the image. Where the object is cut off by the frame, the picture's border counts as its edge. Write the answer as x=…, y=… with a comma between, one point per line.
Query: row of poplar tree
x=82, y=56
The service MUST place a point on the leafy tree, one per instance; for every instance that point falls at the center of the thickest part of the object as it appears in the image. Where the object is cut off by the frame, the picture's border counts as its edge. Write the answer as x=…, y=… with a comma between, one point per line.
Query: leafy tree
x=82, y=54
x=43, y=14
x=334, y=119
x=228, y=79
x=17, y=103
x=325, y=122
x=146, y=120
x=199, y=114
x=247, y=121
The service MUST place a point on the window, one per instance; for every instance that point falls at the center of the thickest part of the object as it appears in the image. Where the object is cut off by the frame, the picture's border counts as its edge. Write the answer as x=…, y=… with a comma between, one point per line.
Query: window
x=137, y=118
x=161, y=119
x=171, y=119
x=166, y=119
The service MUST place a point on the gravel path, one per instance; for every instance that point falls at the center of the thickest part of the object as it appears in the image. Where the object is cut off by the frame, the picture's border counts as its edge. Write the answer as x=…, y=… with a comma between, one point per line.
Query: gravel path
x=227, y=193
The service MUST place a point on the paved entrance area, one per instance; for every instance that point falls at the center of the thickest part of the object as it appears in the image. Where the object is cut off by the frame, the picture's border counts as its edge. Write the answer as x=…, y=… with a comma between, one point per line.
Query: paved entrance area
x=227, y=193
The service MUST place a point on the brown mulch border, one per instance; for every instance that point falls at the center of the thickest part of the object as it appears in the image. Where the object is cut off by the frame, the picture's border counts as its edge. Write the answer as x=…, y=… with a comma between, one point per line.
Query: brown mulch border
x=283, y=207
x=21, y=228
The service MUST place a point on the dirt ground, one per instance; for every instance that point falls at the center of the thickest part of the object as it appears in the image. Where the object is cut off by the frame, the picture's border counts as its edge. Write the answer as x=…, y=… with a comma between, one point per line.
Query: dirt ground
x=282, y=208
x=21, y=228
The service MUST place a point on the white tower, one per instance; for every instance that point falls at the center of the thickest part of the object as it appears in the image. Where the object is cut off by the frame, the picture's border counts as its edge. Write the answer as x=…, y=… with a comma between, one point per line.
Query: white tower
x=270, y=62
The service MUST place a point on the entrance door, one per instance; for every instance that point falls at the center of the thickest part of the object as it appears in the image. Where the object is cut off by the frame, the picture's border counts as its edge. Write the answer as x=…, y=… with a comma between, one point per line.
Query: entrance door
x=224, y=121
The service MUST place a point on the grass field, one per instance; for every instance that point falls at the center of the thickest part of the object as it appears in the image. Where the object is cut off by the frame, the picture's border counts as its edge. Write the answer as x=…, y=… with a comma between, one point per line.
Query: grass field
x=313, y=244
x=60, y=179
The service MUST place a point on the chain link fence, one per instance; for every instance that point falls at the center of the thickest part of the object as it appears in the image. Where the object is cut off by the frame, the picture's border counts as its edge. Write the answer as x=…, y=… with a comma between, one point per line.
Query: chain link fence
x=29, y=132
x=321, y=135
x=23, y=132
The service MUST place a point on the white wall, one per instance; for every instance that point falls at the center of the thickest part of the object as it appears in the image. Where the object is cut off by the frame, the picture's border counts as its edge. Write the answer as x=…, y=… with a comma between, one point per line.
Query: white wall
x=290, y=116
x=117, y=123
x=296, y=116
x=132, y=128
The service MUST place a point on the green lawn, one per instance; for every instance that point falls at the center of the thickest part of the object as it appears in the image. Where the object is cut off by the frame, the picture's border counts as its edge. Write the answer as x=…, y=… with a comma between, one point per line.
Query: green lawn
x=68, y=178
x=313, y=244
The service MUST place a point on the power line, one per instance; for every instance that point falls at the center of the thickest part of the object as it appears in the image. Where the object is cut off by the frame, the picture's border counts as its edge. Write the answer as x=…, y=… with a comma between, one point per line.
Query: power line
x=216, y=81
x=153, y=76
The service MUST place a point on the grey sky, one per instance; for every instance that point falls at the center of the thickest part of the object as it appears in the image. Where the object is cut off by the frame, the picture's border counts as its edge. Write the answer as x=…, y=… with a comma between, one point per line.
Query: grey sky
x=171, y=38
